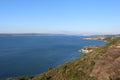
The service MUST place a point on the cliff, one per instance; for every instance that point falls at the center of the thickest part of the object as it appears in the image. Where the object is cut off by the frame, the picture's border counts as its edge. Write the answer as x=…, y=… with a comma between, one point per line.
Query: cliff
x=101, y=64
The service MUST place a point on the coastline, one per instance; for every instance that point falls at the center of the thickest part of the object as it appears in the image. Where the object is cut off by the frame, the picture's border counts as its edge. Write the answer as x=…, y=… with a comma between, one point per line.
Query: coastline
x=93, y=66
x=64, y=52
x=83, y=64
x=76, y=52
x=99, y=38
x=89, y=49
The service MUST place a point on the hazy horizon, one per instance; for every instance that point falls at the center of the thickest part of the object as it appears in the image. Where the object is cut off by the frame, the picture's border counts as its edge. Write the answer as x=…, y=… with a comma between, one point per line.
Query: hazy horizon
x=60, y=16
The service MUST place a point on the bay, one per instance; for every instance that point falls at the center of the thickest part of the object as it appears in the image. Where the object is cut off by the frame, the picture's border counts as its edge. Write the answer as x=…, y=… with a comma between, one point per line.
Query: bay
x=31, y=55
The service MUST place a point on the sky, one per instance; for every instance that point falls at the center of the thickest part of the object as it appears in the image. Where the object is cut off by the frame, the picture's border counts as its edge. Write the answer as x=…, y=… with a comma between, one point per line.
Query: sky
x=60, y=16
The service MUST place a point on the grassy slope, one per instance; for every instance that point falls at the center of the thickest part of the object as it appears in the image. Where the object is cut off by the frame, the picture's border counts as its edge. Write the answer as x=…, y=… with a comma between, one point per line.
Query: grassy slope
x=85, y=68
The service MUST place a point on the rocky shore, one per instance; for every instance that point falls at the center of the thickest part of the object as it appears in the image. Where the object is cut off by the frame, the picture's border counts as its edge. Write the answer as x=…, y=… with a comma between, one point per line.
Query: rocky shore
x=88, y=49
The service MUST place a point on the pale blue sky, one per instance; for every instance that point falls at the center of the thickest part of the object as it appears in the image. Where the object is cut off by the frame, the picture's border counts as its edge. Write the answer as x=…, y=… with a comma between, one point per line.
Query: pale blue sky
x=60, y=16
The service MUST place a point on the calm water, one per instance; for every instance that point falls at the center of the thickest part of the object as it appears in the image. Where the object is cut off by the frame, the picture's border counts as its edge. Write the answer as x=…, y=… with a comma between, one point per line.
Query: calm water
x=30, y=55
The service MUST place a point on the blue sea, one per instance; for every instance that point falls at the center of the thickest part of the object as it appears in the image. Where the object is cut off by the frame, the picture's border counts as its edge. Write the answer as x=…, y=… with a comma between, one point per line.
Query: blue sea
x=31, y=55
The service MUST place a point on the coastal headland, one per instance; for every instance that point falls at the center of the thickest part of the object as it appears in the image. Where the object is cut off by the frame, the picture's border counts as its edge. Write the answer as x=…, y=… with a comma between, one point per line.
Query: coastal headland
x=103, y=63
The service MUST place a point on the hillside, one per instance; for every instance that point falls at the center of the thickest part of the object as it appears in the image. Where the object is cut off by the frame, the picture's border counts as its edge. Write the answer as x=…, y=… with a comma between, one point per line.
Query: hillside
x=101, y=64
